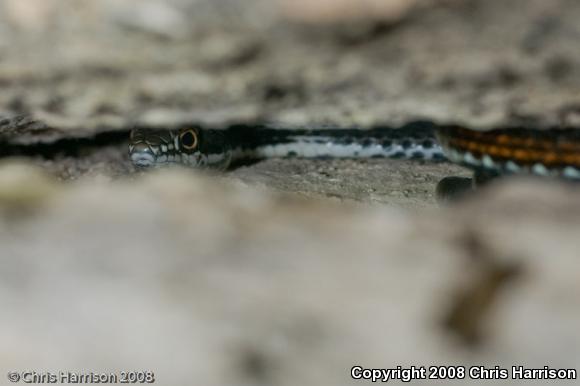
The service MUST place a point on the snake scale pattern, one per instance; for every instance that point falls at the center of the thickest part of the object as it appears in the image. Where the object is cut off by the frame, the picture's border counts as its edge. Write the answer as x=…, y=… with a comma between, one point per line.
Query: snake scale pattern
x=510, y=151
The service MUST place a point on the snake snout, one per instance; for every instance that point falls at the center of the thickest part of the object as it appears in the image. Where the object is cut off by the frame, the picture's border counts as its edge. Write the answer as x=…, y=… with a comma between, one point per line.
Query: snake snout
x=142, y=155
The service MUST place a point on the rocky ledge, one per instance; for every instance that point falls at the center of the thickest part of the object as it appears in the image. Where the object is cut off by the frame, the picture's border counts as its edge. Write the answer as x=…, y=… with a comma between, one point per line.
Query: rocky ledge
x=194, y=276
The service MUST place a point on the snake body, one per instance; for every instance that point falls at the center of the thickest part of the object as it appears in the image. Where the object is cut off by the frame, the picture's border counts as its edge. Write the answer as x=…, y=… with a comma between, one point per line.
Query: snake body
x=497, y=152
x=217, y=148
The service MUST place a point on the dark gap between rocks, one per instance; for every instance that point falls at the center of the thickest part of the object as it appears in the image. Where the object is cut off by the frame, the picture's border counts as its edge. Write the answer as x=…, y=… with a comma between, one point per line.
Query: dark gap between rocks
x=68, y=147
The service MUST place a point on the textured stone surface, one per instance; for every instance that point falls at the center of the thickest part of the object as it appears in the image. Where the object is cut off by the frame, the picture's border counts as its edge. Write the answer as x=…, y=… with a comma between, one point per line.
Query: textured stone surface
x=396, y=183
x=74, y=67
x=225, y=284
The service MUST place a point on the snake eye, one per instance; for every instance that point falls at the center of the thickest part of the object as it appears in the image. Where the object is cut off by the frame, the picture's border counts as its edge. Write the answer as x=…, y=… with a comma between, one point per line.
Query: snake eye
x=188, y=139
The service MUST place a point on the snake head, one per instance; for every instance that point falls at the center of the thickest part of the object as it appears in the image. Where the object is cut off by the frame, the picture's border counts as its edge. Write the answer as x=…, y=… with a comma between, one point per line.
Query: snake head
x=148, y=147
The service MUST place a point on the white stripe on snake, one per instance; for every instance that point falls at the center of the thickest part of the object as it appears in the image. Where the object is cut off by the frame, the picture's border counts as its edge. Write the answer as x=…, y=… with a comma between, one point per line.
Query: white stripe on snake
x=546, y=153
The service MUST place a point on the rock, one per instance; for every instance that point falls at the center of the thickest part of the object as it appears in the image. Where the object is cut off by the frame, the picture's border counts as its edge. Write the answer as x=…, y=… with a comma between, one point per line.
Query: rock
x=196, y=278
x=24, y=187
x=71, y=69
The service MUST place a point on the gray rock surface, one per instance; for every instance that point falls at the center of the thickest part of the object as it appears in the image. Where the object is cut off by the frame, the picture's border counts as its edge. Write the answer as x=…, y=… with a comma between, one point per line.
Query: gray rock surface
x=70, y=68
x=217, y=283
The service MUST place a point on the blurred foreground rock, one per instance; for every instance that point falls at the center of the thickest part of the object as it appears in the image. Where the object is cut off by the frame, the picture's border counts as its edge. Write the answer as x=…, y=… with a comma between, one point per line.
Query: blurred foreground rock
x=70, y=68
x=214, y=283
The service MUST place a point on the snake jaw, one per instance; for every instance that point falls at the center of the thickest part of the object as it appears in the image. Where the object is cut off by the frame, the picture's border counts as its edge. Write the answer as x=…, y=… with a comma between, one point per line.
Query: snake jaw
x=142, y=155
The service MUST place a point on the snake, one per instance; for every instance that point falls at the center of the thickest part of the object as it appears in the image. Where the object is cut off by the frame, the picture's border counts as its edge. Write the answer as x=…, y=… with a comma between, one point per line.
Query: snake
x=554, y=153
